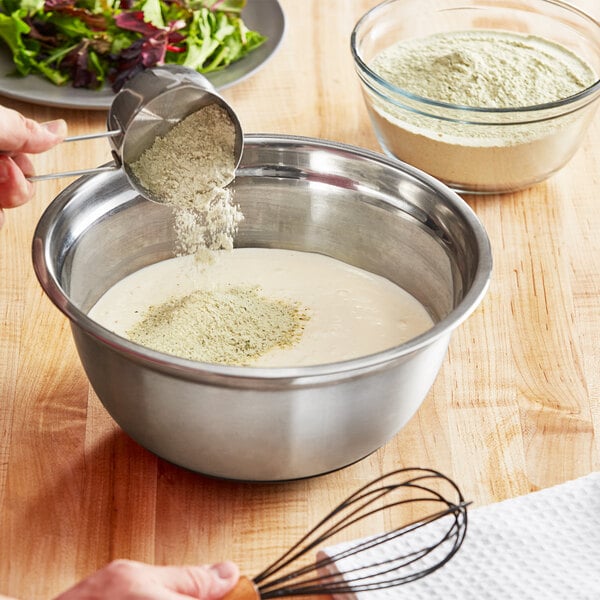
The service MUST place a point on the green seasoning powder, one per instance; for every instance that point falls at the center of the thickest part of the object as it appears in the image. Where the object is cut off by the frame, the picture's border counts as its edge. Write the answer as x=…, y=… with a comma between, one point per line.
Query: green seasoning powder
x=484, y=68
x=232, y=326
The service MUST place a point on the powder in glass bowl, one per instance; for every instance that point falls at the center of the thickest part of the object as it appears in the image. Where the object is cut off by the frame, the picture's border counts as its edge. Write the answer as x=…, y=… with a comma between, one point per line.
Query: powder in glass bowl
x=485, y=69
x=482, y=69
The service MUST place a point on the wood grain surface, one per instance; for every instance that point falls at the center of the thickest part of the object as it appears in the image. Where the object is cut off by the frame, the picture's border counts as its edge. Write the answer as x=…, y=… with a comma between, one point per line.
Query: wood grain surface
x=515, y=407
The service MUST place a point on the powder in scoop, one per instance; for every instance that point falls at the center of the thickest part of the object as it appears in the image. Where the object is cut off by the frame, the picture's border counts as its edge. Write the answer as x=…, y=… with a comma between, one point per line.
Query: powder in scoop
x=188, y=169
x=231, y=326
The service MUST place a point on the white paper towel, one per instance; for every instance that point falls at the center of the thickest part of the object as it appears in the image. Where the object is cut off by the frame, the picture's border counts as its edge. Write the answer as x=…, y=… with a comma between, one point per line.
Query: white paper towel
x=541, y=546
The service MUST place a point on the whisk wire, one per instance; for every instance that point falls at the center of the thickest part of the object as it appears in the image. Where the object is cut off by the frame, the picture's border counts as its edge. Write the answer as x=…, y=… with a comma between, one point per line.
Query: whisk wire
x=359, y=547
x=362, y=582
x=392, y=535
x=322, y=576
x=362, y=578
x=370, y=496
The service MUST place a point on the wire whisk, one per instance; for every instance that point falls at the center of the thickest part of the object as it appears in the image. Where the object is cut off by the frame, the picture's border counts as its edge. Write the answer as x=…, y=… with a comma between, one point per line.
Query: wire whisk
x=423, y=516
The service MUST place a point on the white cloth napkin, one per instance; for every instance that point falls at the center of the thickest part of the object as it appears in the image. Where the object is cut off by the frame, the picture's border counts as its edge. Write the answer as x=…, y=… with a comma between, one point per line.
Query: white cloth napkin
x=541, y=546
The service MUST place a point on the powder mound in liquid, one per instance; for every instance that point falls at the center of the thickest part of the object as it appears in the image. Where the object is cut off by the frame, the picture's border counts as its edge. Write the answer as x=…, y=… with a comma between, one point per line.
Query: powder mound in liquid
x=232, y=326
x=188, y=169
x=487, y=69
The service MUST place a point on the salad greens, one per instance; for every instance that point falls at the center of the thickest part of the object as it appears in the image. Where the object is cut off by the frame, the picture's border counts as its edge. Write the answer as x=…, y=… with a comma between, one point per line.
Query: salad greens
x=92, y=43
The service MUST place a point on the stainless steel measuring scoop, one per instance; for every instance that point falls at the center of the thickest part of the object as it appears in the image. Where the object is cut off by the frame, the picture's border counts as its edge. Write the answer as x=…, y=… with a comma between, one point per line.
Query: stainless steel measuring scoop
x=147, y=107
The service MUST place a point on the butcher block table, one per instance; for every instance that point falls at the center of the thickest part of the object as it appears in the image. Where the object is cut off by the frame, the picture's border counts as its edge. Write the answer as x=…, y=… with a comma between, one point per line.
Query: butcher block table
x=514, y=409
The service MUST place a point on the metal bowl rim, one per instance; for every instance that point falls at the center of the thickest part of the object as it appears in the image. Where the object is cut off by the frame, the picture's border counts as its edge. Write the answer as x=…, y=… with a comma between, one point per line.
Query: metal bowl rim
x=194, y=370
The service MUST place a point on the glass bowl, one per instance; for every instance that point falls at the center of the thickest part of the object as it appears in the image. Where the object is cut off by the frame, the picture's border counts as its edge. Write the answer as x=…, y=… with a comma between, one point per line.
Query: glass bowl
x=477, y=149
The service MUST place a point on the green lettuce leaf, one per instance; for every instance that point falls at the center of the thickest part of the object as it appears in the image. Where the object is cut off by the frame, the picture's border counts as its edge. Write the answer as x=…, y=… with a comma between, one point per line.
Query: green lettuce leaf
x=12, y=31
x=80, y=40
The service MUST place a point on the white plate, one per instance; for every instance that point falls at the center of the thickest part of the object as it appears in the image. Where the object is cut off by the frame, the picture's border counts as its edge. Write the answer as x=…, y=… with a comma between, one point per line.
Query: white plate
x=265, y=16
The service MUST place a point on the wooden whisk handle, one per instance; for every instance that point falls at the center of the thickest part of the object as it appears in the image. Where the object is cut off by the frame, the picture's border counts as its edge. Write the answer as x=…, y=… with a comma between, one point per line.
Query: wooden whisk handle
x=244, y=590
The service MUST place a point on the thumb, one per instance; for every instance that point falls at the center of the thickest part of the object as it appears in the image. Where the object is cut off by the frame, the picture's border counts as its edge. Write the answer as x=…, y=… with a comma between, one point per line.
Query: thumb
x=202, y=582
x=22, y=135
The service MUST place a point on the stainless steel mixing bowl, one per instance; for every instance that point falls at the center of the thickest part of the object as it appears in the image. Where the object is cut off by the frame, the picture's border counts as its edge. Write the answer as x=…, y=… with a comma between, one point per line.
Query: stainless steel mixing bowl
x=274, y=424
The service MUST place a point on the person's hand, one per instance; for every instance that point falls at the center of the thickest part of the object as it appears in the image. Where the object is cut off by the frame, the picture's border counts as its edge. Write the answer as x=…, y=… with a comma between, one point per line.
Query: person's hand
x=20, y=136
x=131, y=580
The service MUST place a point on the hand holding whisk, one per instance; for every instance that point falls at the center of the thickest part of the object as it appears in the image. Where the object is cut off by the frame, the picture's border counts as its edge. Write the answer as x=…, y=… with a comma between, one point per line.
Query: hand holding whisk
x=409, y=548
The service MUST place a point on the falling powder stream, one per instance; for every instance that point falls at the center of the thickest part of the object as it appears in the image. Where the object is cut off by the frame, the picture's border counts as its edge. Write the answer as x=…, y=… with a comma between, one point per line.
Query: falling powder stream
x=189, y=168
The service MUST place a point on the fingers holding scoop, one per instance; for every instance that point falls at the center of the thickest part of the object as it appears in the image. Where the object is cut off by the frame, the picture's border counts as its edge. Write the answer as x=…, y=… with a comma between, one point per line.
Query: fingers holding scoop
x=14, y=187
x=18, y=137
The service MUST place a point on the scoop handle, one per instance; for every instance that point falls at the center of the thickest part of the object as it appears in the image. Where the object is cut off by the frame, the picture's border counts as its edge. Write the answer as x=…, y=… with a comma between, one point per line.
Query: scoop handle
x=79, y=138
x=45, y=176
x=244, y=590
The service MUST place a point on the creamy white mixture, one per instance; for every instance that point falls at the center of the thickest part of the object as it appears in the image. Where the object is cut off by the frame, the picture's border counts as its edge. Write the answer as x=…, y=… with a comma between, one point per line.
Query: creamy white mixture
x=352, y=312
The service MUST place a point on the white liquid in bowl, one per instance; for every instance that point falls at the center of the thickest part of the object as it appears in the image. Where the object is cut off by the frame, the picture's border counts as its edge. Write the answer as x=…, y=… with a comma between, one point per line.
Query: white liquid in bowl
x=352, y=312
